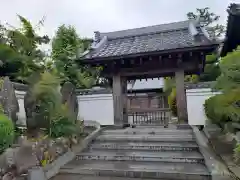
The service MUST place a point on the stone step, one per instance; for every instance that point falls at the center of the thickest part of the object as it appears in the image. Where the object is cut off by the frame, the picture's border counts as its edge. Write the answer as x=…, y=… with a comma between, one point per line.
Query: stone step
x=128, y=155
x=72, y=176
x=157, y=131
x=133, y=169
x=170, y=126
x=145, y=138
x=157, y=146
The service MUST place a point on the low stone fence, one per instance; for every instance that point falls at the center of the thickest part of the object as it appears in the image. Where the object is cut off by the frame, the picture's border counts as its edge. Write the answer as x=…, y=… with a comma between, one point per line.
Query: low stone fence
x=215, y=165
x=223, y=145
x=53, y=168
x=25, y=159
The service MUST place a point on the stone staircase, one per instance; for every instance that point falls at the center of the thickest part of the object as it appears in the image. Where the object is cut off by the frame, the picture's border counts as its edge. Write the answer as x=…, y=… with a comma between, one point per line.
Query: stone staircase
x=139, y=153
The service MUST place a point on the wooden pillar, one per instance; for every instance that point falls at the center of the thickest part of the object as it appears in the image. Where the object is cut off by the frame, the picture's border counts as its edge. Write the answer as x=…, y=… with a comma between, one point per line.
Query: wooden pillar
x=159, y=101
x=119, y=88
x=124, y=98
x=165, y=99
x=181, y=97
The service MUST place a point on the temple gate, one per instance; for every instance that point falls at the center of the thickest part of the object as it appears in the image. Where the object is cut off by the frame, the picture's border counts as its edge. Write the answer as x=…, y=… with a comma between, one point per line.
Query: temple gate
x=166, y=50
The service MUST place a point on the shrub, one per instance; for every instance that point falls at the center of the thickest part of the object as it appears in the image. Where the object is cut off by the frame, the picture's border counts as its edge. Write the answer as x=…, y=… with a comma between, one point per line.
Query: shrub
x=223, y=110
x=209, y=107
x=6, y=132
x=230, y=72
x=44, y=98
x=236, y=154
x=62, y=125
x=172, y=101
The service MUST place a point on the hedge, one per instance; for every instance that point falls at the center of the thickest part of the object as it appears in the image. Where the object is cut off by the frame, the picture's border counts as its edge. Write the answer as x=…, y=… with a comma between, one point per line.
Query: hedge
x=224, y=110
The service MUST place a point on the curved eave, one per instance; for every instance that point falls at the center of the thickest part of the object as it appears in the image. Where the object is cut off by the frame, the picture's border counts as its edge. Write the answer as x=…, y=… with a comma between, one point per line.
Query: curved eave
x=206, y=48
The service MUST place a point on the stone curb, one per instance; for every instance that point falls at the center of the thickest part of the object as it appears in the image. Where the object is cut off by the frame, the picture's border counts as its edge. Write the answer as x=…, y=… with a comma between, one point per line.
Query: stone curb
x=53, y=169
x=232, y=171
x=216, y=167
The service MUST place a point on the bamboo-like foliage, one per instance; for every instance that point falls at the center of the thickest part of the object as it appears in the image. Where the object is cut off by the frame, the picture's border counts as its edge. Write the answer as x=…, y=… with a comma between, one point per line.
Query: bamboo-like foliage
x=50, y=112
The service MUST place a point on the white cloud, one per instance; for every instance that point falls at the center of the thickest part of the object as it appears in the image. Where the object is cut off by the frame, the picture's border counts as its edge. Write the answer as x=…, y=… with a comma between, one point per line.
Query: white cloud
x=104, y=15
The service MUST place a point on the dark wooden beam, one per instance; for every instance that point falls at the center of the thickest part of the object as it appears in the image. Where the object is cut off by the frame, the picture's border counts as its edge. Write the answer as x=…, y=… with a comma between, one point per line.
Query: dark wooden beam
x=165, y=70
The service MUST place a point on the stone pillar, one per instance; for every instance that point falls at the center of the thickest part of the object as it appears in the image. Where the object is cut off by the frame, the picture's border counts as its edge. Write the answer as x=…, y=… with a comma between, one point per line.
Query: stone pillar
x=181, y=97
x=119, y=99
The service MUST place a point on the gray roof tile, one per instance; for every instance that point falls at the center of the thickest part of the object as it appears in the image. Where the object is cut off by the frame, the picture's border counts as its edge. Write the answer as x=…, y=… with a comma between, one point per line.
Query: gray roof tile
x=146, y=30
x=147, y=39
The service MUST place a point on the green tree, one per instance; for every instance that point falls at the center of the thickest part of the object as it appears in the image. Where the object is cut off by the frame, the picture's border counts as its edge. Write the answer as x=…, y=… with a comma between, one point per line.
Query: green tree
x=230, y=71
x=67, y=46
x=224, y=108
x=47, y=109
x=211, y=69
x=208, y=20
x=43, y=98
x=19, y=50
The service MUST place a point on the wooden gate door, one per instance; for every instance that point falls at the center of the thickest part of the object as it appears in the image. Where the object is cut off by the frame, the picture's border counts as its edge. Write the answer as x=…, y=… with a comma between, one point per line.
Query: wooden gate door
x=148, y=110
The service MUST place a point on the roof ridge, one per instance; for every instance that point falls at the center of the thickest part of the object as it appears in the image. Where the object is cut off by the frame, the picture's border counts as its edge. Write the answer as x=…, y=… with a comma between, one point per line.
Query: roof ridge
x=151, y=33
x=147, y=29
x=146, y=26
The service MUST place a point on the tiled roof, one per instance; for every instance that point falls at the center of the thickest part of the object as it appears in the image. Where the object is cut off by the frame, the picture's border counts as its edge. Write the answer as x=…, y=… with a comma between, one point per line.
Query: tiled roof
x=146, y=30
x=176, y=35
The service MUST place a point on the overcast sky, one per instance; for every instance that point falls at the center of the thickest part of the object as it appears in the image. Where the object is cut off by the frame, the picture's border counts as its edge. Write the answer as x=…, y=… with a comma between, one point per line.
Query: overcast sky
x=105, y=15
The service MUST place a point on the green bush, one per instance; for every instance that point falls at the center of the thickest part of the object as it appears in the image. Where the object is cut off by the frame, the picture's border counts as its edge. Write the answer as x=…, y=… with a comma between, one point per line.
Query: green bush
x=62, y=125
x=44, y=97
x=6, y=132
x=236, y=153
x=172, y=101
x=48, y=112
x=223, y=110
x=209, y=107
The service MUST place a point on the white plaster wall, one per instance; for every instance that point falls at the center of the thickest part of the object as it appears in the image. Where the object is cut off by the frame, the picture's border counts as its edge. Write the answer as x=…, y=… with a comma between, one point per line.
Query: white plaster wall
x=195, y=101
x=97, y=107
